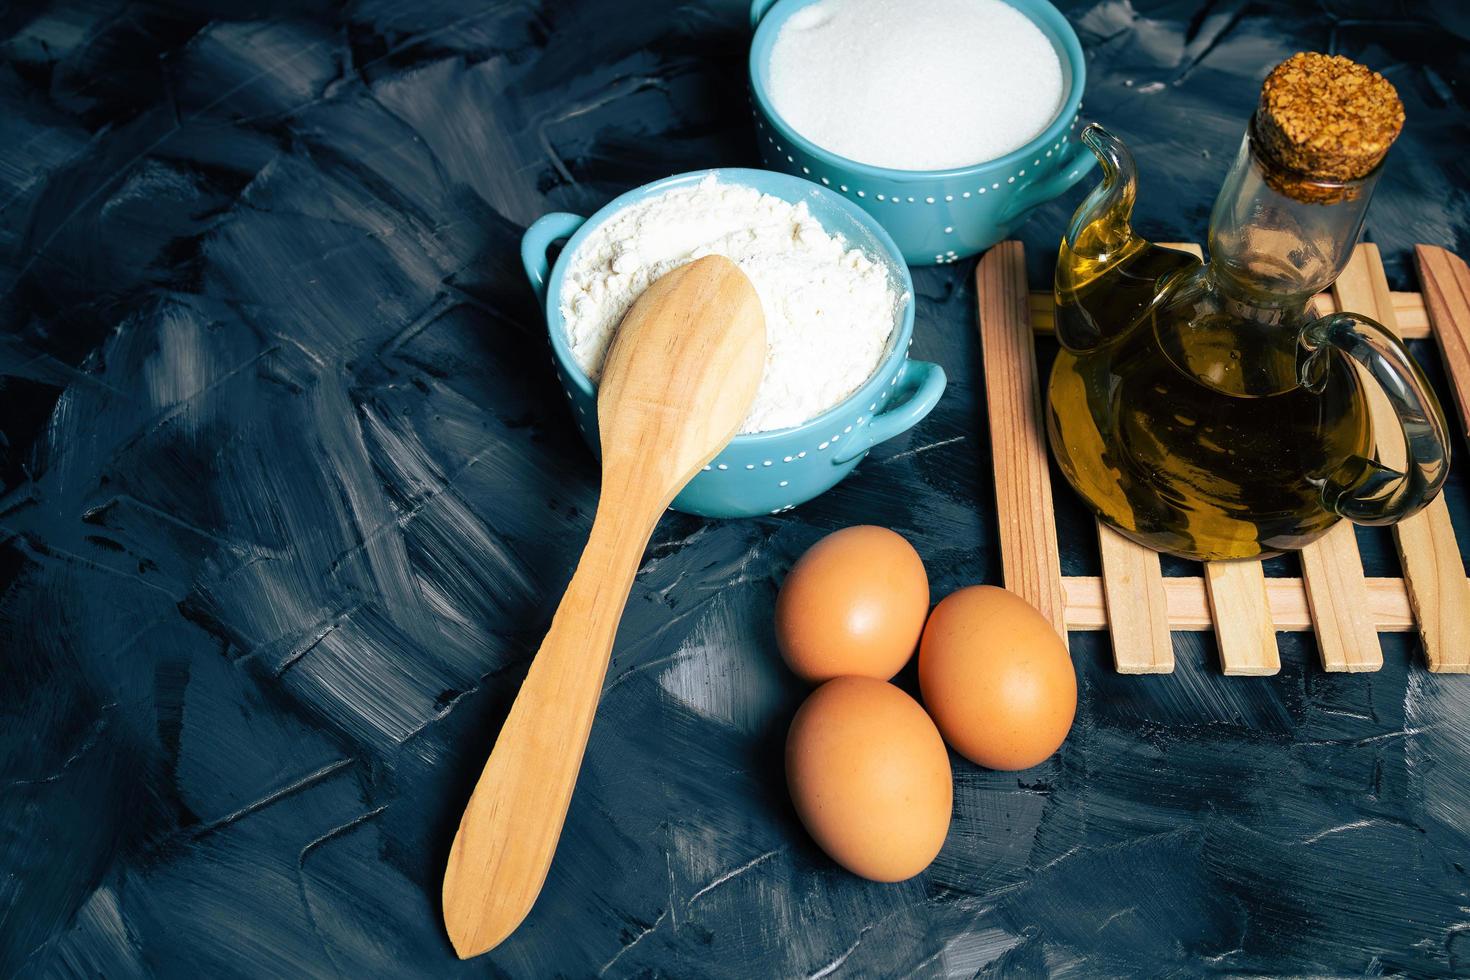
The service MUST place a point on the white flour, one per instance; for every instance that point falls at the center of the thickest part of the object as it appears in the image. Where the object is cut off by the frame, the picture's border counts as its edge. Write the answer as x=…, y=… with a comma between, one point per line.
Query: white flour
x=915, y=86
x=829, y=309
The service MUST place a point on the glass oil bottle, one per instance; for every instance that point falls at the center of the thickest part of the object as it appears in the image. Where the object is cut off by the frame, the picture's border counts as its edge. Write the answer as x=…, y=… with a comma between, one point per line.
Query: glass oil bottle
x=1202, y=408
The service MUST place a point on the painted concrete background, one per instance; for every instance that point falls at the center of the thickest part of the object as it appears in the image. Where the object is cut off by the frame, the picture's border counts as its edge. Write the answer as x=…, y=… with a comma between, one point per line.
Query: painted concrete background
x=288, y=495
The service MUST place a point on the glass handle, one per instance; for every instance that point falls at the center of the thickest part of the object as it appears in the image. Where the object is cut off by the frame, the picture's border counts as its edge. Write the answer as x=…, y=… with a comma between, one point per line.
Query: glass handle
x=1380, y=494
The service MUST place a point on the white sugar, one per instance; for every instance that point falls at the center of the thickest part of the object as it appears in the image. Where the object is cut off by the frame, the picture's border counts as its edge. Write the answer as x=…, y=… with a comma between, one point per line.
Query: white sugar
x=927, y=85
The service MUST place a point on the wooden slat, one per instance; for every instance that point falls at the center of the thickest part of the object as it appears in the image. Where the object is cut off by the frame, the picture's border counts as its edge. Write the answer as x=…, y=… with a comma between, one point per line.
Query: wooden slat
x=1138, y=613
x=1030, y=557
x=1332, y=571
x=1409, y=308
x=1337, y=591
x=1137, y=610
x=1244, y=629
x=1433, y=571
x=1189, y=605
x=1434, y=575
x=1446, y=282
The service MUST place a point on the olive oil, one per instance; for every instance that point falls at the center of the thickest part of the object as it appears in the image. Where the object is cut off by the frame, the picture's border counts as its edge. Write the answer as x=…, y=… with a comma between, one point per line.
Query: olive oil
x=1191, y=435
x=1204, y=408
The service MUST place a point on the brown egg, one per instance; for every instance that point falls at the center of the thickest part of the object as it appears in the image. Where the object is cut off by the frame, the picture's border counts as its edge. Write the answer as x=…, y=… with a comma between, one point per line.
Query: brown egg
x=997, y=678
x=870, y=778
x=854, y=604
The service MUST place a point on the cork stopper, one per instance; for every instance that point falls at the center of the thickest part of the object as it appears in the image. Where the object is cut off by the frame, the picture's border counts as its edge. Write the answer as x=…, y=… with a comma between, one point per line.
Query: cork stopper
x=1324, y=119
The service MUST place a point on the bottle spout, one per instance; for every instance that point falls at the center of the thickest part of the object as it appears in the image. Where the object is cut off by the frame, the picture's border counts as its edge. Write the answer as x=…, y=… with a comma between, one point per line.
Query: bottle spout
x=1108, y=277
x=1100, y=229
x=1098, y=241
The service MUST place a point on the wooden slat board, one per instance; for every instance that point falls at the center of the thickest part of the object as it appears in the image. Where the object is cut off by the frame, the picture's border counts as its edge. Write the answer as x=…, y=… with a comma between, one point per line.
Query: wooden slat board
x=1433, y=571
x=1028, y=531
x=1235, y=599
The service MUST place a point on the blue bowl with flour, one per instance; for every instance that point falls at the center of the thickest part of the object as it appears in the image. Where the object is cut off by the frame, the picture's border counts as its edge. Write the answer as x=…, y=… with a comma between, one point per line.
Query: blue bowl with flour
x=762, y=472
x=935, y=216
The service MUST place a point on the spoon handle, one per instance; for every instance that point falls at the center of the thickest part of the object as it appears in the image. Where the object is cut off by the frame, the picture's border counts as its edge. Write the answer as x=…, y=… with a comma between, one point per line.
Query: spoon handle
x=509, y=830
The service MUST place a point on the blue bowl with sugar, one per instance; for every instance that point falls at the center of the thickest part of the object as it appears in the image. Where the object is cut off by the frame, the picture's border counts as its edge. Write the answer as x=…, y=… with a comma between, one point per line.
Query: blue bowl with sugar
x=773, y=471
x=934, y=216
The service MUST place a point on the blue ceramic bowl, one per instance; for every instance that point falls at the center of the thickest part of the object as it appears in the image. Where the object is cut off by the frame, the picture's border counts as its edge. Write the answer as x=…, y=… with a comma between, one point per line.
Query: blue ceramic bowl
x=935, y=216
x=765, y=472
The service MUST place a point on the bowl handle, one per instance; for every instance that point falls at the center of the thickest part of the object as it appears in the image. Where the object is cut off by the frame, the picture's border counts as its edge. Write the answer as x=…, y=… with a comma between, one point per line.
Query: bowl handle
x=1079, y=160
x=538, y=239
x=758, y=10
x=920, y=383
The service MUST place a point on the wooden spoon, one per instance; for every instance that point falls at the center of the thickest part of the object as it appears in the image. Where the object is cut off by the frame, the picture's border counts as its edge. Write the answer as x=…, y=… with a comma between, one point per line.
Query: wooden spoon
x=679, y=379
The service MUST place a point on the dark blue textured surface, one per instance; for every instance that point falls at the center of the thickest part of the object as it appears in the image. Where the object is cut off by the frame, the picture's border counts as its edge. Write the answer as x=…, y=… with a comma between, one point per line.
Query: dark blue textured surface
x=289, y=495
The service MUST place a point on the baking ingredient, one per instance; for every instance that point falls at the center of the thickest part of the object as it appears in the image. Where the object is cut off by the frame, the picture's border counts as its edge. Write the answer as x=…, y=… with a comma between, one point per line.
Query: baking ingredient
x=1205, y=409
x=996, y=678
x=915, y=86
x=830, y=309
x=870, y=778
x=854, y=603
